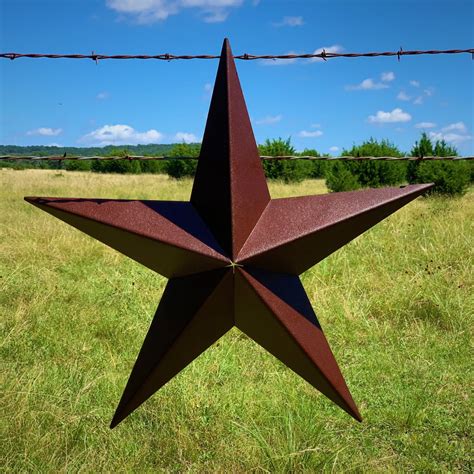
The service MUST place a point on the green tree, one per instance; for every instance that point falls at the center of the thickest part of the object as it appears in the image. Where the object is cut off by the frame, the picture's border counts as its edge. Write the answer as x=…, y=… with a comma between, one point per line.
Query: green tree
x=443, y=149
x=367, y=173
x=183, y=168
x=153, y=166
x=285, y=170
x=116, y=166
x=450, y=177
x=340, y=178
x=77, y=165
x=315, y=168
x=422, y=148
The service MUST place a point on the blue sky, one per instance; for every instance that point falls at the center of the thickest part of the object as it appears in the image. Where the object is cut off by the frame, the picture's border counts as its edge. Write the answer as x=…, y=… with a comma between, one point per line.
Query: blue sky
x=323, y=105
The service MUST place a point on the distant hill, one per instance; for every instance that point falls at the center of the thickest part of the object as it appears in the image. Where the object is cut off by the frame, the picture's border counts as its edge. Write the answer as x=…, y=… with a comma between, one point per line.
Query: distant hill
x=41, y=150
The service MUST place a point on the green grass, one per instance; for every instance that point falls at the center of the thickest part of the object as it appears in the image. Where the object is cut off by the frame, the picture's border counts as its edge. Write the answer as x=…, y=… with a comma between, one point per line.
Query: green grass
x=397, y=308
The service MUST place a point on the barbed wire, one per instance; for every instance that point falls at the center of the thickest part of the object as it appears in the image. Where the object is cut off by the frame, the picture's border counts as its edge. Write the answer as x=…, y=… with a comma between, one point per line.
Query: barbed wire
x=263, y=157
x=324, y=55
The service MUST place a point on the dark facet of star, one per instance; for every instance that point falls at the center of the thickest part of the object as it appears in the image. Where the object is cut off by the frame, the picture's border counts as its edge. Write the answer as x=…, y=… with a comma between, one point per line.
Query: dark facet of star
x=232, y=254
x=189, y=319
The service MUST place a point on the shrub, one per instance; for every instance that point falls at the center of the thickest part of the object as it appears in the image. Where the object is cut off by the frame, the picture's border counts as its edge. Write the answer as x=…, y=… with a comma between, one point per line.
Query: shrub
x=285, y=170
x=450, y=177
x=366, y=173
x=16, y=165
x=183, y=168
x=340, y=178
x=153, y=166
x=77, y=165
x=422, y=148
x=315, y=168
x=116, y=166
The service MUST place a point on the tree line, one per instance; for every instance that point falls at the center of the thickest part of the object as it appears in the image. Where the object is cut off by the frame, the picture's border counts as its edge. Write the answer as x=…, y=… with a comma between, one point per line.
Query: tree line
x=450, y=177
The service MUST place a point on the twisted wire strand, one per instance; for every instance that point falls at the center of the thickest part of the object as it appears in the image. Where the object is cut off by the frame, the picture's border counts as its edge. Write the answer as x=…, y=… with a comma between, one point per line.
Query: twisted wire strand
x=263, y=157
x=245, y=57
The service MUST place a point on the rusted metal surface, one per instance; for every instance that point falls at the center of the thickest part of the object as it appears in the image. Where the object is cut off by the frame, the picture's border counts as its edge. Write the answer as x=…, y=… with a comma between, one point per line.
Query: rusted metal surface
x=273, y=309
x=229, y=168
x=232, y=254
x=168, y=237
x=293, y=234
x=193, y=313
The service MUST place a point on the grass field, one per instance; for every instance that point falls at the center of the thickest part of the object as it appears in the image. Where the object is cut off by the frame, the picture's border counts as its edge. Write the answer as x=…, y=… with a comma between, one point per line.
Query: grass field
x=396, y=304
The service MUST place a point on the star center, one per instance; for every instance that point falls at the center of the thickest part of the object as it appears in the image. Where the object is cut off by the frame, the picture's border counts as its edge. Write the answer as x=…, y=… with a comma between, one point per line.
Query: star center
x=234, y=265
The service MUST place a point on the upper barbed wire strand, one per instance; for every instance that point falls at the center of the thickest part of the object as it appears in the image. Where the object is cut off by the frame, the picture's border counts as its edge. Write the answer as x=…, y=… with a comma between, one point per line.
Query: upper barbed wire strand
x=246, y=57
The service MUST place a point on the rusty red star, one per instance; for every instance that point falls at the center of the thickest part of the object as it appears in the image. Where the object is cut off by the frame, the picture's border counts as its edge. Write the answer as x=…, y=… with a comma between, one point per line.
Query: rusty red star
x=232, y=254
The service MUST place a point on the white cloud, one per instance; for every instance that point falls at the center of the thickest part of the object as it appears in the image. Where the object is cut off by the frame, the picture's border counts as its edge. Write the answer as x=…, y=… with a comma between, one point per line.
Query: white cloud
x=387, y=76
x=455, y=138
x=402, y=95
x=45, y=131
x=120, y=135
x=455, y=133
x=217, y=15
x=428, y=92
x=269, y=119
x=290, y=21
x=336, y=48
x=396, y=115
x=366, y=85
x=150, y=11
x=425, y=125
x=334, y=149
x=102, y=95
x=458, y=126
x=144, y=11
x=414, y=83
x=186, y=137
x=310, y=134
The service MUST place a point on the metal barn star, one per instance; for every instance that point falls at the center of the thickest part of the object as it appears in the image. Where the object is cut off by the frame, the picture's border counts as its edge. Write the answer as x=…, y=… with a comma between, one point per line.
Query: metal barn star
x=232, y=254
